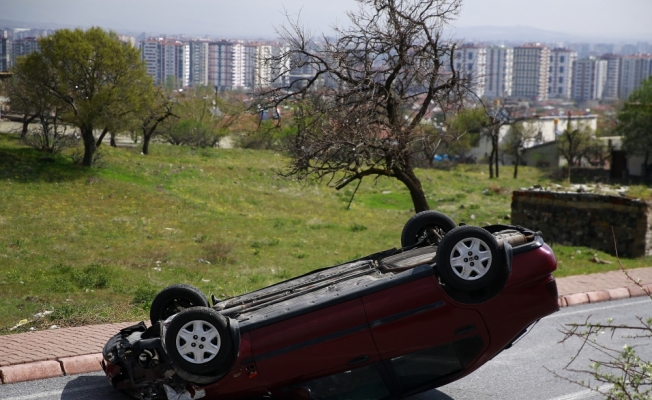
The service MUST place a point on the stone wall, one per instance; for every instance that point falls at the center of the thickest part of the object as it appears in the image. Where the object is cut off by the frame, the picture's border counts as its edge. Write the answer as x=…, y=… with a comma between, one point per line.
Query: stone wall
x=580, y=219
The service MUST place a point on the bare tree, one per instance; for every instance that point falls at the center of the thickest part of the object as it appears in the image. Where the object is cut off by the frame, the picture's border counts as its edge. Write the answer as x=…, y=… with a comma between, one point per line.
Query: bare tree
x=618, y=373
x=159, y=112
x=518, y=136
x=573, y=144
x=363, y=96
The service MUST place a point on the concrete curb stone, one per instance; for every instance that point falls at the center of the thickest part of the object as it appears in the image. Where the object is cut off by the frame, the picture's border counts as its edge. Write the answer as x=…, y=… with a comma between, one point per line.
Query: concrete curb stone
x=576, y=299
x=30, y=371
x=598, y=296
x=620, y=293
x=81, y=364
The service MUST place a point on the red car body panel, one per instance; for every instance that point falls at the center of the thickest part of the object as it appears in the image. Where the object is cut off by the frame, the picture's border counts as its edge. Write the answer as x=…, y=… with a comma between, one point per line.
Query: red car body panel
x=413, y=311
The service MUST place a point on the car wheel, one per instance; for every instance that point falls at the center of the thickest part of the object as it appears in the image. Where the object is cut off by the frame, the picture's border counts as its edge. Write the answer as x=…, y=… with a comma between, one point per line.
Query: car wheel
x=468, y=258
x=429, y=225
x=198, y=341
x=174, y=299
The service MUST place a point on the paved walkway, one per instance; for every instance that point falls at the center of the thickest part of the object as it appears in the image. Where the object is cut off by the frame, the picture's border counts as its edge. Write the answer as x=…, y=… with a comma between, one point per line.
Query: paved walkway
x=45, y=354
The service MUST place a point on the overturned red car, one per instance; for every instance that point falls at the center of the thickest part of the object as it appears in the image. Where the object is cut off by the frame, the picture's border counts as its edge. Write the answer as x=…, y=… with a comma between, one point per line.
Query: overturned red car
x=385, y=326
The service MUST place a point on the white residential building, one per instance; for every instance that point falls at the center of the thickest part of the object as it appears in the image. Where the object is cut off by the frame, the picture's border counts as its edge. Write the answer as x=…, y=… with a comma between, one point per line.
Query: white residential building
x=561, y=73
x=589, y=78
x=263, y=74
x=471, y=63
x=547, y=130
x=499, y=72
x=531, y=69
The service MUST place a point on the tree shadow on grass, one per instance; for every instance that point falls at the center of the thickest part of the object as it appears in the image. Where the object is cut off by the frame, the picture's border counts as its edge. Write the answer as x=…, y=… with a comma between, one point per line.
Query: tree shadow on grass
x=23, y=164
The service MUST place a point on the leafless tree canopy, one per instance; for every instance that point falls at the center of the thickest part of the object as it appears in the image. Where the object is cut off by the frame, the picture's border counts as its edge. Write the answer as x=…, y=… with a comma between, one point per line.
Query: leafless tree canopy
x=360, y=106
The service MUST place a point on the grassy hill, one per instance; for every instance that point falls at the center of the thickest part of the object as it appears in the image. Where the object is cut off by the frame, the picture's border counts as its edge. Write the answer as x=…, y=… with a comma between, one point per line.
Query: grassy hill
x=96, y=245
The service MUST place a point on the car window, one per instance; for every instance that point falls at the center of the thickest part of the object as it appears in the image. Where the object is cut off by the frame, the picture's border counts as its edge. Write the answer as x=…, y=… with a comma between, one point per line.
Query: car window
x=424, y=366
x=362, y=383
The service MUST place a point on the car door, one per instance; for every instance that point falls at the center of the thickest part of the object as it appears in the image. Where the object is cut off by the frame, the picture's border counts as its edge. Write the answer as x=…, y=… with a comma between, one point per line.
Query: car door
x=417, y=314
x=320, y=342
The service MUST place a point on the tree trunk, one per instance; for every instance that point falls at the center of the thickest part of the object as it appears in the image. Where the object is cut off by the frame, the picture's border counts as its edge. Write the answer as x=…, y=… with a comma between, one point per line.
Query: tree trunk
x=113, y=144
x=518, y=161
x=491, y=162
x=146, y=139
x=26, y=121
x=495, y=138
x=99, y=140
x=413, y=184
x=89, y=145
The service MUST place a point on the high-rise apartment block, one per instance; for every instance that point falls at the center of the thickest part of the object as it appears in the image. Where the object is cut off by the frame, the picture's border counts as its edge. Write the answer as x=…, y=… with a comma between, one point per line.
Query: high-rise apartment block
x=198, y=68
x=589, y=78
x=167, y=61
x=612, y=82
x=5, y=54
x=499, y=71
x=560, y=73
x=633, y=70
x=471, y=63
x=531, y=69
x=24, y=46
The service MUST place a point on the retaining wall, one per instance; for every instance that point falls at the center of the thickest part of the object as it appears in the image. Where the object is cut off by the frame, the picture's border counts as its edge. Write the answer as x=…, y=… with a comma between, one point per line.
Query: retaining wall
x=581, y=219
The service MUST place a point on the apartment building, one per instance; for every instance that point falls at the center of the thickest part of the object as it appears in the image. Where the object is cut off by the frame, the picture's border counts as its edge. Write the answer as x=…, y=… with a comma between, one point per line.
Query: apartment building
x=499, y=72
x=198, y=69
x=612, y=82
x=471, y=63
x=167, y=61
x=633, y=70
x=589, y=79
x=531, y=71
x=561, y=73
x=23, y=47
x=5, y=54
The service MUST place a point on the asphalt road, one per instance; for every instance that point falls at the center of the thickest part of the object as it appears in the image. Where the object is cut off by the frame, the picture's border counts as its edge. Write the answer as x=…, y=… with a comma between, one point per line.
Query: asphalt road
x=517, y=373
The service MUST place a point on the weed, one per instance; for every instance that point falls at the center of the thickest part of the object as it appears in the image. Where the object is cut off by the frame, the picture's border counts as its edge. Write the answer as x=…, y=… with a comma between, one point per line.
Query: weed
x=257, y=244
x=200, y=238
x=218, y=252
x=357, y=228
x=143, y=296
x=283, y=274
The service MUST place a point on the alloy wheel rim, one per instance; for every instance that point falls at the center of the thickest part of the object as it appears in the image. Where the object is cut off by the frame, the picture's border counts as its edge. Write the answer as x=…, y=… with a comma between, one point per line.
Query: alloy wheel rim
x=198, y=342
x=471, y=259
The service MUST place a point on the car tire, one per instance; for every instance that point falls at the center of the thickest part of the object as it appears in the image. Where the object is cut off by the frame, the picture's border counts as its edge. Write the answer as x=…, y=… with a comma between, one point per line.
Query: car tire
x=418, y=226
x=468, y=258
x=198, y=341
x=174, y=299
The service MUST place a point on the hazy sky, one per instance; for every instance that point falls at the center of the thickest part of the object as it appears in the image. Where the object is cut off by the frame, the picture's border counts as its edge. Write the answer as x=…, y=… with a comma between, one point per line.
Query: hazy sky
x=617, y=19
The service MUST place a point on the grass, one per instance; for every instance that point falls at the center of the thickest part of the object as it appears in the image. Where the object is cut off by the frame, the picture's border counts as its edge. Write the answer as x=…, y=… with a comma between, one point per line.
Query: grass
x=97, y=245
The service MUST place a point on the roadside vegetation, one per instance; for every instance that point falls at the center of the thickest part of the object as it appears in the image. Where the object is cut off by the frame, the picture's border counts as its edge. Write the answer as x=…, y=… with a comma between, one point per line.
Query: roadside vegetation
x=96, y=245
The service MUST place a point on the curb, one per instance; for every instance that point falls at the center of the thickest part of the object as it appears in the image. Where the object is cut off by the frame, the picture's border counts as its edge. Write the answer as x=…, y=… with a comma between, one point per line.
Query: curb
x=51, y=368
x=600, y=296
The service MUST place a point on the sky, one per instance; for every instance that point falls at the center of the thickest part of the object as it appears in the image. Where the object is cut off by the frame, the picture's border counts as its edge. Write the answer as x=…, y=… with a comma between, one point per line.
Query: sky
x=250, y=19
